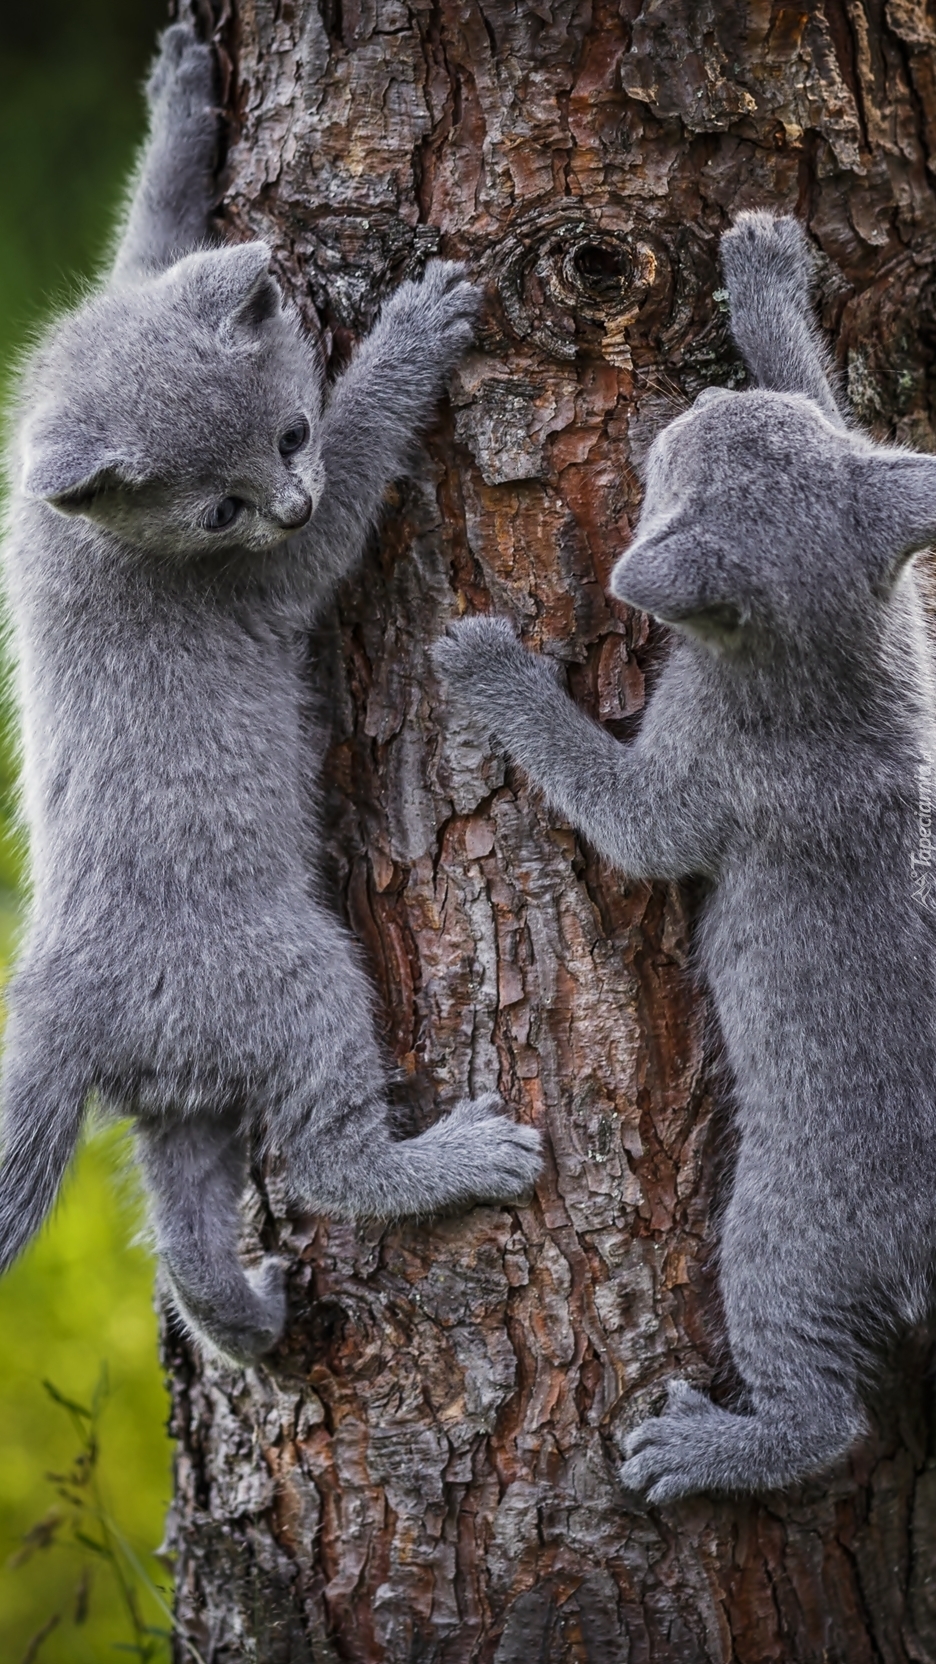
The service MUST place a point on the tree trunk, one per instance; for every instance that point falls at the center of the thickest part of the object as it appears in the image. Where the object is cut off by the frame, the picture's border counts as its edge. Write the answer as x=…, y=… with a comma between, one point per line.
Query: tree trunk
x=428, y=1472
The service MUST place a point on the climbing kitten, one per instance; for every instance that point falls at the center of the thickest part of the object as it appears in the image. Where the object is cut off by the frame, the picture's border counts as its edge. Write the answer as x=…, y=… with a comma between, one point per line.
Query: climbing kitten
x=784, y=755
x=181, y=508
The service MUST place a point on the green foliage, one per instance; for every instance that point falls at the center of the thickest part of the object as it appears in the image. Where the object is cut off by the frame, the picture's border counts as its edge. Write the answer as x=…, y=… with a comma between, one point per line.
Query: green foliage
x=82, y=1520
x=82, y=1294
x=70, y=117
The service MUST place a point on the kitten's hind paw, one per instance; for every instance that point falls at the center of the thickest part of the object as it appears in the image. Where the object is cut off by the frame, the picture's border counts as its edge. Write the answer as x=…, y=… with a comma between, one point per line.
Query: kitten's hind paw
x=666, y=1454
x=252, y=1320
x=696, y=1446
x=501, y=1158
x=183, y=72
x=268, y=1281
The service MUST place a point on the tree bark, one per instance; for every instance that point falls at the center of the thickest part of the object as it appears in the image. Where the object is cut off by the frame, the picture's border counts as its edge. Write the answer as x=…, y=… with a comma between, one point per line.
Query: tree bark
x=427, y=1471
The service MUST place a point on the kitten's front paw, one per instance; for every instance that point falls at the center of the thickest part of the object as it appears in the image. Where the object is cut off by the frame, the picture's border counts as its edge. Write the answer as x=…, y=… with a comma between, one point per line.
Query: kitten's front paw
x=767, y=251
x=183, y=72
x=432, y=322
x=475, y=653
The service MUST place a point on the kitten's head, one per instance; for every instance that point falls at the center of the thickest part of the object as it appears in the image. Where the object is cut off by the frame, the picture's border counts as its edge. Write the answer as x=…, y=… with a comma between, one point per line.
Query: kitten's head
x=182, y=413
x=764, y=520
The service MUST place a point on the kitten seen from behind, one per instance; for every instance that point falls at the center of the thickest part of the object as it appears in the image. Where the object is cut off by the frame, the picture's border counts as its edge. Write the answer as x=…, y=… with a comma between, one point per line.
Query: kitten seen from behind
x=781, y=758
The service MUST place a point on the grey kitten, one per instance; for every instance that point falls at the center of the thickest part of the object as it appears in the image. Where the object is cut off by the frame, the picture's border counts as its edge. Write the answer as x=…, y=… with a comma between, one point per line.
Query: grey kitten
x=181, y=508
x=786, y=755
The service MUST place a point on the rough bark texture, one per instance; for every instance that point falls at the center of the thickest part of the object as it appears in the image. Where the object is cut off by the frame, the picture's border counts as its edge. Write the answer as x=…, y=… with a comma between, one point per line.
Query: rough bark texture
x=428, y=1471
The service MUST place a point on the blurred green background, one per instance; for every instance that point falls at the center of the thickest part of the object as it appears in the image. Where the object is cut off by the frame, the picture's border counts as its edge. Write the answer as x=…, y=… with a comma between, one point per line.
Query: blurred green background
x=71, y=115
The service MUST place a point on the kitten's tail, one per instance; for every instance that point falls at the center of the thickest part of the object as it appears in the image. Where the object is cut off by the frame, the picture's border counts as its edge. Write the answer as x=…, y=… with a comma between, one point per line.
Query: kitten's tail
x=42, y=1118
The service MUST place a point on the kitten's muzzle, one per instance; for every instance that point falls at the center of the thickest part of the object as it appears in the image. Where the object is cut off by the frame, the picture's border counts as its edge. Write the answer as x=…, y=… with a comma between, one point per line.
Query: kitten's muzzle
x=299, y=515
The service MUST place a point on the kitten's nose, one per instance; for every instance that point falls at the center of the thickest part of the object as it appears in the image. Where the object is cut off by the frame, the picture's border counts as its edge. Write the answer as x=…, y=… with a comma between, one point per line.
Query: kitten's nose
x=299, y=514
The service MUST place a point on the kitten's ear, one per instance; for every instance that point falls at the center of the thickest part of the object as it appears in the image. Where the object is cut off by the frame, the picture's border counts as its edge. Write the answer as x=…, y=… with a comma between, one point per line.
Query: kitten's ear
x=68, y=469
x=233, y=287
x=895, y=507
x=666, y=576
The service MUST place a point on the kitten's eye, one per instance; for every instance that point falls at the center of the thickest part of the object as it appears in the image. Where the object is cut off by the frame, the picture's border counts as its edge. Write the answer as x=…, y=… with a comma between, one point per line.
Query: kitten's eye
x=295, y=437
x=223, y=513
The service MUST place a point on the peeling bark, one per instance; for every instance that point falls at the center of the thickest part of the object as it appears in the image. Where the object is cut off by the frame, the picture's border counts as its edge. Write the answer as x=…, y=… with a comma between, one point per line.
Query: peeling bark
x=427, y=1471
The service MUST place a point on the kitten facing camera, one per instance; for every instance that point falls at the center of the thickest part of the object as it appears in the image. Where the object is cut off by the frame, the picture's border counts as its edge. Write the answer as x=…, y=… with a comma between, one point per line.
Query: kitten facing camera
x=784, y=755
x=185, y=497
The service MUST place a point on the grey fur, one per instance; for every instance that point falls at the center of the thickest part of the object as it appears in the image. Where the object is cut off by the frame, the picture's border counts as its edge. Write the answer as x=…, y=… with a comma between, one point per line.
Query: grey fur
x=786, y=755
x=178, y=962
